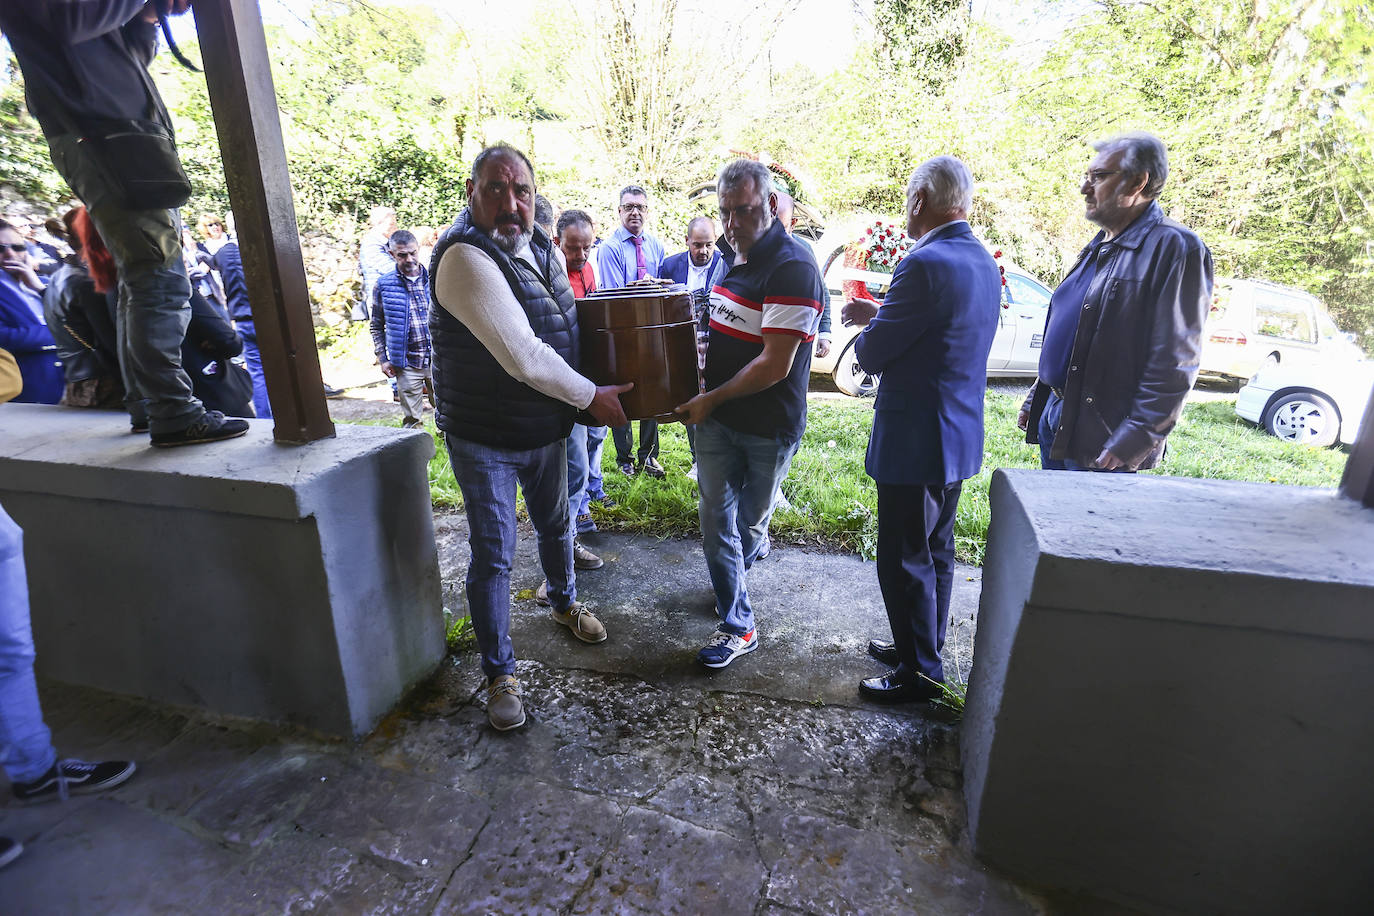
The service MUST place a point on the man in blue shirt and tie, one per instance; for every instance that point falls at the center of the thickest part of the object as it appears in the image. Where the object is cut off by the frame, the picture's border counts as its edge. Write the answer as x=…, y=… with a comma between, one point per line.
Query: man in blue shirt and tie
x=628, y=256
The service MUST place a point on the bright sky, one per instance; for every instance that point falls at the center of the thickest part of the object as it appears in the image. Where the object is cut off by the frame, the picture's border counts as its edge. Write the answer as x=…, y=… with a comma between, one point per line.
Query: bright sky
x=820, y=33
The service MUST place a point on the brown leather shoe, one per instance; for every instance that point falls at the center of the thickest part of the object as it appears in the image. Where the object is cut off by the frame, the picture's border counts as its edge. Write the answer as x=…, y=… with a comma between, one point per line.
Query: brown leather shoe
x=584, y=558
x=580, y=620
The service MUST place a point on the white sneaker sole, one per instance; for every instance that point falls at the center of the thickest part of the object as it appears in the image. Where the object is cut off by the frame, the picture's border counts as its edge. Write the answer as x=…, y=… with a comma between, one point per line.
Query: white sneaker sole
x=729, y=658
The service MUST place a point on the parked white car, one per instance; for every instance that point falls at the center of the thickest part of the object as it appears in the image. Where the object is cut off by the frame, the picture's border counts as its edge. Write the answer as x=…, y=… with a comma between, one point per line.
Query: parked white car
x=1015, y=349
x=1253, y=324
x=1315, y=404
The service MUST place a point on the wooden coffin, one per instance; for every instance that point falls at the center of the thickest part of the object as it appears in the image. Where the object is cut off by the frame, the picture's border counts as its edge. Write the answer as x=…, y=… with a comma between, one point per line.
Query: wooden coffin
x=642, y=335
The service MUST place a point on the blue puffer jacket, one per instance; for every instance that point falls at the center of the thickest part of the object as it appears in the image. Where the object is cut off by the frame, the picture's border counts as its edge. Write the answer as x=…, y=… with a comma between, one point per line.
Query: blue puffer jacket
x=394, y=312
x=477, y=399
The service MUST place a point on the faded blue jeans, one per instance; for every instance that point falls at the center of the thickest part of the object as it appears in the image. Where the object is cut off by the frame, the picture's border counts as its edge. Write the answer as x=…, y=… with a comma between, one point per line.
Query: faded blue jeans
x=1049, y=422
x=26, y=750
x=487, y=477
x=737, y=475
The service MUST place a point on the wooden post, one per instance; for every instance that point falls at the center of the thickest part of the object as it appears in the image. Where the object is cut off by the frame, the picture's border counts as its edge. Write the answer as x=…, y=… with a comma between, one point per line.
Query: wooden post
x=1358, y=481
x=238, y=74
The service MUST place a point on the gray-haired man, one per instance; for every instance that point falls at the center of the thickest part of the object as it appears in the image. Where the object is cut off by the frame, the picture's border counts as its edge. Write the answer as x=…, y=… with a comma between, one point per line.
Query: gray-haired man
x=1125, y=326
x=750, y=420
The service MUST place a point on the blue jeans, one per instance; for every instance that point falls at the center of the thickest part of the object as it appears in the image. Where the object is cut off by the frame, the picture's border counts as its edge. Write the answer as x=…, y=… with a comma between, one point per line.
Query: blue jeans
x=253, y=359
x=487, y=477
x=585, y=444
x=596, y=445
x=1049, y=422
x=737, y=475
x=26, y=750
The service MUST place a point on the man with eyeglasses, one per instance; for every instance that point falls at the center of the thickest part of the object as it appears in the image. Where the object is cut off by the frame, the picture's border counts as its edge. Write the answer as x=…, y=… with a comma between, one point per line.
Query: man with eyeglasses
x=629, y=256
x=1124, y=331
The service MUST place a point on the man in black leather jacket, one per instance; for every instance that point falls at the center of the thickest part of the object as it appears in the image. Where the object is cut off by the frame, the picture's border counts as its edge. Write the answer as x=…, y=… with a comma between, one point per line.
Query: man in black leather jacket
x=1124, y=330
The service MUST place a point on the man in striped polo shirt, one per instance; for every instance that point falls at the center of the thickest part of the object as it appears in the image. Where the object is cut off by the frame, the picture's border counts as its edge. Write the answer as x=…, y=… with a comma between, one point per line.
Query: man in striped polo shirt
x=750, y=420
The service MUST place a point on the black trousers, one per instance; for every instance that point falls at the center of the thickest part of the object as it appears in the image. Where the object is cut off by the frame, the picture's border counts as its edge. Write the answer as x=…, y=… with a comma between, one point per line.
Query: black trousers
x=624, y=437
x=916, y=570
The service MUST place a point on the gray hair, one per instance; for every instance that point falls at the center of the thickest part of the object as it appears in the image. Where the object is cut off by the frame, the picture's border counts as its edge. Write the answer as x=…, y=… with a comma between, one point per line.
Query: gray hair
x=630, y=189
x=734, y=172
x=947, y=182
x=1142, y=154
x=401, y=237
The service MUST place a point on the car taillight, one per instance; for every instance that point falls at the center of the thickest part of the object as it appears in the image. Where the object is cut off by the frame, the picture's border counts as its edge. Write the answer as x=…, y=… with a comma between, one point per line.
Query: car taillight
x=1227, y=337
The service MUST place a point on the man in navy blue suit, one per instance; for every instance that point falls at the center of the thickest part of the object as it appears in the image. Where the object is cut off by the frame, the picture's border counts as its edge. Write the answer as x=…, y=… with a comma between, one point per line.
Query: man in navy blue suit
x=693, y=267
x=930, y=341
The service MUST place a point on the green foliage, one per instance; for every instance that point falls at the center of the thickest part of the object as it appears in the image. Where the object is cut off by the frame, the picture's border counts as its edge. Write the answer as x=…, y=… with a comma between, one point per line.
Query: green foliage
x=24, y=164
x=835, y=504
x=1265, y=108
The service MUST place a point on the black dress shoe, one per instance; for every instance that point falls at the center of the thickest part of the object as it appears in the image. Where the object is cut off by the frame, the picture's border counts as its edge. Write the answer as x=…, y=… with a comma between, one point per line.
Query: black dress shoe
x=888, y=689
x=884, y=652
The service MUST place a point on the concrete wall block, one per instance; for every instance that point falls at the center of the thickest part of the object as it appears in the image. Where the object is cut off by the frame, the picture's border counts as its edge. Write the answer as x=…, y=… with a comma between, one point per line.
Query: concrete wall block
x=295, y=583
x=1174, y=759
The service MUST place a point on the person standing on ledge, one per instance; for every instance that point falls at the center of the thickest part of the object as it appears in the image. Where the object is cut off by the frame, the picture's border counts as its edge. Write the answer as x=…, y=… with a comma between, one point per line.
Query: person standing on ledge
x=751, y=417
x=85, y=77
x=629, y=256
x=1124, y=333
x=508, y=390
x=931, y=342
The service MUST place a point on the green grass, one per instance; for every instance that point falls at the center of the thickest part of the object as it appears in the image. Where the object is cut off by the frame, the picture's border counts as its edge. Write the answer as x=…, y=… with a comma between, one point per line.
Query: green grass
x=834, y=503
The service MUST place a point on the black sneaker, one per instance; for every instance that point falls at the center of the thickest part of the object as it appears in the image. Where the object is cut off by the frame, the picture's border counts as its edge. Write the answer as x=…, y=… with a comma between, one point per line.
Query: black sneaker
x=9, y=850
x=212, y=426
x=651, y=467
x=74, y=777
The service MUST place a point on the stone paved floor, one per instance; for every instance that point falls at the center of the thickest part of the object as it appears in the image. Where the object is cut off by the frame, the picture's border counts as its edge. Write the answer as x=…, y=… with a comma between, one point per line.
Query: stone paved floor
x=640, y=785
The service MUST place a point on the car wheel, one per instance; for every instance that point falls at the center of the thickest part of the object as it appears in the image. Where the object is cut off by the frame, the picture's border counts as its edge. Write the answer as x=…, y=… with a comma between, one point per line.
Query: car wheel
x=850, y=377
x=1304, y=417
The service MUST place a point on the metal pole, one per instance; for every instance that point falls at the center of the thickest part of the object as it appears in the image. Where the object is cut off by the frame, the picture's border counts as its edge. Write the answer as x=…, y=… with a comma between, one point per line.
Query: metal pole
x=238, y=74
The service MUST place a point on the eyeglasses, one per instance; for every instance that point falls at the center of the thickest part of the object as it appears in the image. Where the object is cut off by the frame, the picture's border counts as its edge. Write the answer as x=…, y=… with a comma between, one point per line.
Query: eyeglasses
x=18, y=248
x=1095, y=176
x=635, y=208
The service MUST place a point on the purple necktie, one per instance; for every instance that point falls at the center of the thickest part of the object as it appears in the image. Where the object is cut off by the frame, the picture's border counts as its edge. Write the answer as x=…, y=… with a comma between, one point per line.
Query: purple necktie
x=641, y=269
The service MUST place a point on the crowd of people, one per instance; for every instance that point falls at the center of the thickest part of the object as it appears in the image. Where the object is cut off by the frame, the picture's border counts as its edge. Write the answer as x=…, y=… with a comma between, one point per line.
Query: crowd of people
x=1120, y=354
x=486, y=329
x=59, y=304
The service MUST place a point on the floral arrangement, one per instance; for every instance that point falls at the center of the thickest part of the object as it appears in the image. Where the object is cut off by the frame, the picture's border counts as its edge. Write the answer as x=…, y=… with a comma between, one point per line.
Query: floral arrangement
x=1001, y=269
x=880, y=249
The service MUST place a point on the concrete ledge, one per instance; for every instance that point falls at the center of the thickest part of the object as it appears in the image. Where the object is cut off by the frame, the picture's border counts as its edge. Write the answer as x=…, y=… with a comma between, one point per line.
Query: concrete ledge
x=1169, y=701
x=296, y=583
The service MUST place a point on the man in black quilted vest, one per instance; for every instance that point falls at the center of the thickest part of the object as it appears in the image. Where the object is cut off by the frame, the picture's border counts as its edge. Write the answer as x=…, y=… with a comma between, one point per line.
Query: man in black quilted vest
x=508, y=390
